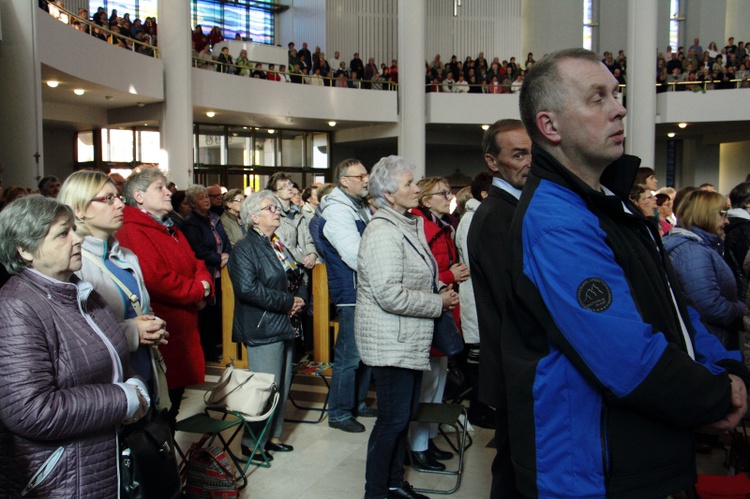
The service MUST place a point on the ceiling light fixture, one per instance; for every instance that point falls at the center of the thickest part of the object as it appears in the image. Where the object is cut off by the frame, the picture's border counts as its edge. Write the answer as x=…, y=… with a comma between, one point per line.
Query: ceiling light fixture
x=671, y=134
x=682, y=125
x=53, y=83
x=331, y=124
x=79, y=91
x=210, y=114
x=485, y=127
x=271, y=131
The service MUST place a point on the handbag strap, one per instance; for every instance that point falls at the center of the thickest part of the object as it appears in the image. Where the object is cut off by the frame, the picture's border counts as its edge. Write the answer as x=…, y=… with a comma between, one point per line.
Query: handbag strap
x=131, y=296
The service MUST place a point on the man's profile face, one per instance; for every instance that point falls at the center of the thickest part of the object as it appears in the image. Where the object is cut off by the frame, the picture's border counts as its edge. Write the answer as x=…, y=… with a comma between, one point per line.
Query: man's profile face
x=355, y=181
x=589, y=123
x=514, y=161
x=214, y=194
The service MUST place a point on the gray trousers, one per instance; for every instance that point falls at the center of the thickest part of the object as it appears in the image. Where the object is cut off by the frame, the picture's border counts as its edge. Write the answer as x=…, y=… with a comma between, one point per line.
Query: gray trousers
x=276, y=359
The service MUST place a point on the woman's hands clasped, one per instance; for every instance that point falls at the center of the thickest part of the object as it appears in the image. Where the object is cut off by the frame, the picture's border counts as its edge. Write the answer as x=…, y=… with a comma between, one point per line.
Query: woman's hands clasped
x=450, y=297
x=297, y=306
x=151, y=330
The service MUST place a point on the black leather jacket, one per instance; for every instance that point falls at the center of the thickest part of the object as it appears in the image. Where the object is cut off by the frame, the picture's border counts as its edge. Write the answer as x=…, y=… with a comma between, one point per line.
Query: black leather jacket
x=262, y=299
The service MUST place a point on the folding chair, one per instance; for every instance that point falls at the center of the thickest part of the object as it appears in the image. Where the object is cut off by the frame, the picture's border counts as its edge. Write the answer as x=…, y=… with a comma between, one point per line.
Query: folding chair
x=447, y=415
x=216, y=420
x=310, y=368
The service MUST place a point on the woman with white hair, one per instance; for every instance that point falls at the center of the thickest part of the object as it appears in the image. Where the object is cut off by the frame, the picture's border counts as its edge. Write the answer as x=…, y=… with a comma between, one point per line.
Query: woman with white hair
x=394, y=318
x=65, y=377
x=269, y=294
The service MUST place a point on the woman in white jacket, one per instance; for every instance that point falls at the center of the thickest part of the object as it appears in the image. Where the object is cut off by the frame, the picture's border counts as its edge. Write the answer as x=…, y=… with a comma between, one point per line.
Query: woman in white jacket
x=396, y=306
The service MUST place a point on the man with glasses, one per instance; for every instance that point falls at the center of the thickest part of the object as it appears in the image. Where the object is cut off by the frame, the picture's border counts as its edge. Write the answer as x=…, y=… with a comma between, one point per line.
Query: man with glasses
x=217, y=202
x=345, y=214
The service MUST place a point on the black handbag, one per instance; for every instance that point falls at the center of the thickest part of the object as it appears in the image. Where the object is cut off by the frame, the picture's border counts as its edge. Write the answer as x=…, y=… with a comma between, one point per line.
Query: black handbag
x=447, y=339
x=148, y=465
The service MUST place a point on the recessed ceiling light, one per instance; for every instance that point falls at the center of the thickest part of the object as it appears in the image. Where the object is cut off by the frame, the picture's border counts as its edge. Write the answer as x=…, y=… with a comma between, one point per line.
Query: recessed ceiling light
x=682, y=125
x=271, y=131
x=79, y=91
x=210, y=114
x=53, y=83
x=670, y=134
x=485, y=127
x=332, y=123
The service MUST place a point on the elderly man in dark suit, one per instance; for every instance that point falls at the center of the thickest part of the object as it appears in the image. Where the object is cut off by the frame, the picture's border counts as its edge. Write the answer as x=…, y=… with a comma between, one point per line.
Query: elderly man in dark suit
x=507, y=152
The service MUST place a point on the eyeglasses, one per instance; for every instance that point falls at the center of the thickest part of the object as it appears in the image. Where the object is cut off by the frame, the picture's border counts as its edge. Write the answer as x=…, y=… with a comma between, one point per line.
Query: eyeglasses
x=109, y=199
x=361, y=178
x=723, y=213
x=445, y=194
x=237, y=200
x=272, y=208
x=284, y=185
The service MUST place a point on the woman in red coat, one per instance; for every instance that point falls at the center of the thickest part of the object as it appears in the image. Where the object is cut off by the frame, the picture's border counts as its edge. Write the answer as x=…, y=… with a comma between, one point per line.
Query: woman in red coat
x=177, y=281
x=434, y=204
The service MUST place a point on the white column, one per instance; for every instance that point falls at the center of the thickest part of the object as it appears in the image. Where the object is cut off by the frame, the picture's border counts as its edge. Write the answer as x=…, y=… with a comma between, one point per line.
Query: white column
x=411, y=88
x=177, y=116
x=640, y=128
x=21, y=117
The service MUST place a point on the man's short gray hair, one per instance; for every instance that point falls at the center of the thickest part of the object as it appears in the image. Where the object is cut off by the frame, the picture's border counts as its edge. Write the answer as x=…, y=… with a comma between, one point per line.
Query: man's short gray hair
x=251, y=205
x=385, y=176
x=24, y=223
x=542, y=88
x=193, y=191
x=141, y=181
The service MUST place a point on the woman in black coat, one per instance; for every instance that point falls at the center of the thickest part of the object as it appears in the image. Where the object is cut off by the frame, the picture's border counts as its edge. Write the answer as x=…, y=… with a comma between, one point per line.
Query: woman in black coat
x=269, y=294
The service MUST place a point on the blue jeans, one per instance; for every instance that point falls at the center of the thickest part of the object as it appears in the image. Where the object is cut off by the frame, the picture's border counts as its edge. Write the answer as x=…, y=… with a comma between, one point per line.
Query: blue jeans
x=350, y=379
x=398, y=399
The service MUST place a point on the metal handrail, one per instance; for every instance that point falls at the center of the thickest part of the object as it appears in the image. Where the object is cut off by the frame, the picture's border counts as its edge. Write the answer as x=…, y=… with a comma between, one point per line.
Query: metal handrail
x=132, y=43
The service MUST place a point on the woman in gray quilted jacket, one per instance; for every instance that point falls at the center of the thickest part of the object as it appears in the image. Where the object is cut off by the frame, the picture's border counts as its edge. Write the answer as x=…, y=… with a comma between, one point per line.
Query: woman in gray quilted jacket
x=394, y=319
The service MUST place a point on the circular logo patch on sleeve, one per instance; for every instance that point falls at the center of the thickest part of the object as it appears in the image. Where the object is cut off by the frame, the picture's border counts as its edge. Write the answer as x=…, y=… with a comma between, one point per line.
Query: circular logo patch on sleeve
x=594, y=295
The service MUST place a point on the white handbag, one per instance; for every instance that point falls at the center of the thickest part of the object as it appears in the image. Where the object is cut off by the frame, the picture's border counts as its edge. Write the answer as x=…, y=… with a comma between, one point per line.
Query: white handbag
x=243, y=391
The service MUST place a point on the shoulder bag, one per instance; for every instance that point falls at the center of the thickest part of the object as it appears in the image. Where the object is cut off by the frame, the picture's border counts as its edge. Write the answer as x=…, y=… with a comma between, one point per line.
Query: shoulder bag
x=243, y=391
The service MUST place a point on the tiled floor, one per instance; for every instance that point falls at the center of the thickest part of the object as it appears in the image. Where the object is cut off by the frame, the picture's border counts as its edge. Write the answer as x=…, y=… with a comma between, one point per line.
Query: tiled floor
x=330, y=464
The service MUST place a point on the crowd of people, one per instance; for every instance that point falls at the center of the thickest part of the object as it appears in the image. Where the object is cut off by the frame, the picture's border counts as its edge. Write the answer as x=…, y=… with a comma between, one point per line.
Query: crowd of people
x=693, y=68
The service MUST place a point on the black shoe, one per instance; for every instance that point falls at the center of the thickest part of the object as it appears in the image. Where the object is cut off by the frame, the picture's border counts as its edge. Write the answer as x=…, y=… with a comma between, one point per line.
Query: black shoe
x=424, y=462
x=278, y=447
x=406, y=491
x=350, y=425
x=435, y=453
x=368, y=412
x=258, y=456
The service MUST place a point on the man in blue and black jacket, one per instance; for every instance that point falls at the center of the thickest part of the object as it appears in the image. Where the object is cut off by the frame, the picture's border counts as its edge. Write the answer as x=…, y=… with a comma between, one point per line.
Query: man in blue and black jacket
x=609, y=371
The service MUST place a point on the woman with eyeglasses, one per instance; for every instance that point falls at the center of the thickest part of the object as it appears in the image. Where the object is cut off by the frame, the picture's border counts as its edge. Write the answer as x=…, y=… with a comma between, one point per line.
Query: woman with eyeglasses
x=696, y=247
x=269, y=294
x=434, y=208
x=233, y=224
x=98, y=211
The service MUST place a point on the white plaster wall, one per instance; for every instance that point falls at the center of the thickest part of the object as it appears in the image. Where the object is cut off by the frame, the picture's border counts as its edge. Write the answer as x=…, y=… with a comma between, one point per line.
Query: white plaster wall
x=550, y=25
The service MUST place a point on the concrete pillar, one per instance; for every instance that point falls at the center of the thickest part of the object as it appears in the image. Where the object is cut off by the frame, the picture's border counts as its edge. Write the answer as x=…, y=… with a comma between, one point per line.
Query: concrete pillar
x=640, y=129
x=412, y=18
x=176, y=125
x=21, y=118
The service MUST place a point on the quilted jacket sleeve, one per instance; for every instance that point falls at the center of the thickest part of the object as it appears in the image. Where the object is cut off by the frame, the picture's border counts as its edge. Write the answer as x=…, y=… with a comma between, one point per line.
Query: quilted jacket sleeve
x=341, y=231
x=32, y=405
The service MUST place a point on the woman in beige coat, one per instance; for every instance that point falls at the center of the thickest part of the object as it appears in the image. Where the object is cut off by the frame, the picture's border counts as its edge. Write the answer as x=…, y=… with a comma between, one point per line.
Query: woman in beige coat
x=397, y=304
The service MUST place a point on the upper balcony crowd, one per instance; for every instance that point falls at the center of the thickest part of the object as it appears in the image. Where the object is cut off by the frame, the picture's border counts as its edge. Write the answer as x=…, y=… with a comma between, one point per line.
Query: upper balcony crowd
x=693, y=68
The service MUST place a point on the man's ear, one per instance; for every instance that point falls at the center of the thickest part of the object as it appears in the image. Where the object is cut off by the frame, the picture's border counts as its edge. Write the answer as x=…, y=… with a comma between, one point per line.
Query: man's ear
x=546, y=123
x=491, y=162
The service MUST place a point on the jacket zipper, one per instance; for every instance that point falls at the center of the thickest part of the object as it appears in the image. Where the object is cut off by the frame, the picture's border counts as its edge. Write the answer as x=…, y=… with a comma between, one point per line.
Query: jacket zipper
x=44, y=470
